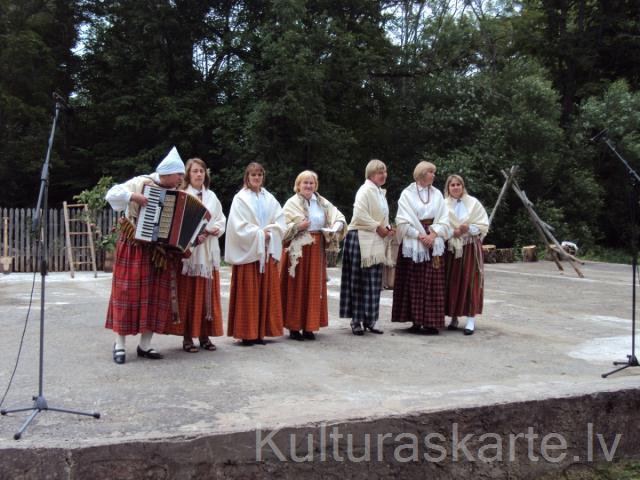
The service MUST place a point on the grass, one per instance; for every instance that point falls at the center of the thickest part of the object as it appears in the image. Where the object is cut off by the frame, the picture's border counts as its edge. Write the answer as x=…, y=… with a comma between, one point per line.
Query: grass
x=609, y=255
x=624, y=469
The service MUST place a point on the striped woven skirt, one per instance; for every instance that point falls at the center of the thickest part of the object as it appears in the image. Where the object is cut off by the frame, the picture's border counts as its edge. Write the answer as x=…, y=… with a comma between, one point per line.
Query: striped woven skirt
x=359, y=287
x=465, y=281
x=418, y=292
x=143, y=297
x=255, y=306
x=304, y=297
x=200, y=307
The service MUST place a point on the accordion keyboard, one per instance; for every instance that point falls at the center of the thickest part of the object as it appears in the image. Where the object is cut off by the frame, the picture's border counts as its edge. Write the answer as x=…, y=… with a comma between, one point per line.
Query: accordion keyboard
x=149, y=214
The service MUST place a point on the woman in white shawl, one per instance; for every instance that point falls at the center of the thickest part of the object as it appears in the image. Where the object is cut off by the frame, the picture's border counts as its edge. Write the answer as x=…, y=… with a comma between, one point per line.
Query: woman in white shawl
x=365, y=252
x=253, y=245
x=464, y=259
x=423, y=226
x=199, y=283
x=314, y=226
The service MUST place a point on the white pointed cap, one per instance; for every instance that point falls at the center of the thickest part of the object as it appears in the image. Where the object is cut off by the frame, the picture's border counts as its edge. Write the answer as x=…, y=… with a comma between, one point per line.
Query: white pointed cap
x=172, y=163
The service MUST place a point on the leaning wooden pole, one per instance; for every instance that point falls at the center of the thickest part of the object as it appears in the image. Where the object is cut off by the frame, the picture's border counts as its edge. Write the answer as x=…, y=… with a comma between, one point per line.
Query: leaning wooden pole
x=526, y=202
x=544, y=231
x=505, y=187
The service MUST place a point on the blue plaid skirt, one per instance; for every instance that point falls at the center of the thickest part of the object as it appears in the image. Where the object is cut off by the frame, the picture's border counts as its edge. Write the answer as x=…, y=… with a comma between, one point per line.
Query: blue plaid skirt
x=359, y=287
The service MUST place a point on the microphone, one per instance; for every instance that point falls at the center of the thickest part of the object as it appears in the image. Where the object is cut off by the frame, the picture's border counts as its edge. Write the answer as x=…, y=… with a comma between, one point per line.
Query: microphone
x=62, y=102
x=603, y=133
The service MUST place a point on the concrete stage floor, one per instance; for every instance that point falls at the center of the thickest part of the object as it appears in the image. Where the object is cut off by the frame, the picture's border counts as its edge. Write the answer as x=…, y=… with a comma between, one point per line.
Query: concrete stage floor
x=543, y=334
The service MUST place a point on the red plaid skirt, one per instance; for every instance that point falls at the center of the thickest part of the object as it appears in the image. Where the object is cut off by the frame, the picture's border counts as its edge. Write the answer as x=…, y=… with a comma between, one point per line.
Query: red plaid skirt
x=192, y=300
x=304, y=298
x=141, y=294
x=255, y=306
x=465, y=289
x=418, y=293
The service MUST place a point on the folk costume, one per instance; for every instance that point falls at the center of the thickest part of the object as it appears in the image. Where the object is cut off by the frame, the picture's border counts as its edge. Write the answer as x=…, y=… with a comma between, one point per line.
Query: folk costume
x=303, y=272
x=199, y=282
x=464, y=260
x=364, y=254
x=419, y=290
x=255, y=308
x=144, y=286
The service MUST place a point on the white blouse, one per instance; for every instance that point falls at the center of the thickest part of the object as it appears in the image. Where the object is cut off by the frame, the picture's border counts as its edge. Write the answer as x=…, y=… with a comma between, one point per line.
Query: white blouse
x=316, y=215
x=259, y=204
x=384, y=206
x=462, y=213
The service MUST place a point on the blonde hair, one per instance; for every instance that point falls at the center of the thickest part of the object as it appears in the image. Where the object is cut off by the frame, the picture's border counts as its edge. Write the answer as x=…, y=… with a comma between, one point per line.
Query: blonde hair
x=451, y=178
x=373, y=167
x=187, y=175
x=252, y=167
x=422, y=169
x=303, y=175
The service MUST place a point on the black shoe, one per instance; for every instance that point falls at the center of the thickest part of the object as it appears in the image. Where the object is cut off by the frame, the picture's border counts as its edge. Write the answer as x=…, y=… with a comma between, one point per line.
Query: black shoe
x=415, y=328
x=119, y=355
x=150, y=354
x=430, y=331
x=374, y=330
x=296, y=335
x=309, y=335
x=453, y=325
x=468, y=332
x=259, y=341
x=247, y=343
x=357, y=330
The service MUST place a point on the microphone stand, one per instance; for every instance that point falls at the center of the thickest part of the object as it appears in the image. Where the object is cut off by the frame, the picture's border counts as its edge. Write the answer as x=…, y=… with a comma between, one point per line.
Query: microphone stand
x=40, y=227
x=634, y=181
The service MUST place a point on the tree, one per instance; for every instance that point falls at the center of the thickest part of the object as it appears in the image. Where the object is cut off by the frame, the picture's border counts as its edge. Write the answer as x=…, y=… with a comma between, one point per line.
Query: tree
x=617, y=110
x=36, y=59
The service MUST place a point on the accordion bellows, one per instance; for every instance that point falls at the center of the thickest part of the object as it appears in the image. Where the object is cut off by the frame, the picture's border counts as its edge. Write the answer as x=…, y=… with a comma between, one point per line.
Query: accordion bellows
x=172, y=218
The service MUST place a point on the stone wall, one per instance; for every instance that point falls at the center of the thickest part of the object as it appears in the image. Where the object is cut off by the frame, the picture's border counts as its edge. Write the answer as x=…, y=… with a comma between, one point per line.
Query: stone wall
x=505, y=441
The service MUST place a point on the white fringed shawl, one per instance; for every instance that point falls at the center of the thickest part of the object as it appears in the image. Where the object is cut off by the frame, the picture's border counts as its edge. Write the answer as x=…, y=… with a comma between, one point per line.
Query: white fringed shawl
x=206, y=256
x=408, y=217
x=296, y=209
x=367, y=216
x=245, y=238
x=476, y=215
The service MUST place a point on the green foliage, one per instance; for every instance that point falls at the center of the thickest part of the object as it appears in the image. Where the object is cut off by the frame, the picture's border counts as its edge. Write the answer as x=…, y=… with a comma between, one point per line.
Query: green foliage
x=475, y=87
x=94, y=197
x=35, y=59
x=617, y=110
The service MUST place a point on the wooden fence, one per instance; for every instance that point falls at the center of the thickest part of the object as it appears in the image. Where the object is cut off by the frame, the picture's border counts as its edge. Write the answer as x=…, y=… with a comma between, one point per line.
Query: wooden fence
x=23, y=244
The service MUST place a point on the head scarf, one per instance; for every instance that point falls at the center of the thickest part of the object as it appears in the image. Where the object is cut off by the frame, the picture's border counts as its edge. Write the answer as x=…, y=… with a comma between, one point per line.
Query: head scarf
x=172, y=163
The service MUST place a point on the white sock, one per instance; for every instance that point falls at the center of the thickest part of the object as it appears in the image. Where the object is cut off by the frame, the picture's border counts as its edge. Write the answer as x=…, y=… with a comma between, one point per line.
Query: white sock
x=145, y=341
x=471, y=323
x=120, y=342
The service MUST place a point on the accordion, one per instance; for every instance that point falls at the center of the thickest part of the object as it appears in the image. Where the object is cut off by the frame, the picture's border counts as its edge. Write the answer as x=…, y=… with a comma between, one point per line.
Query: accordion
x=171, y=218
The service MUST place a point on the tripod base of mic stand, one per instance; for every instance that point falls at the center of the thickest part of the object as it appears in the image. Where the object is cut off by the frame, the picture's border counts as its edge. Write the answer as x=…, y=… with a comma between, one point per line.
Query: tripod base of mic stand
x=40, y=404
x=632, y=361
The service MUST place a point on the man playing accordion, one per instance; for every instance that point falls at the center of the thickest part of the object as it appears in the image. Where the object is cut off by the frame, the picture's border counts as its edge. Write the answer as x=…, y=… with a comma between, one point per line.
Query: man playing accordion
x=143, y=291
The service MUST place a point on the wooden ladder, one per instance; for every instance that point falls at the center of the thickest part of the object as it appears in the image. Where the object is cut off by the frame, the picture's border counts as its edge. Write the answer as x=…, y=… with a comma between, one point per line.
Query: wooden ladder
x=78, y=247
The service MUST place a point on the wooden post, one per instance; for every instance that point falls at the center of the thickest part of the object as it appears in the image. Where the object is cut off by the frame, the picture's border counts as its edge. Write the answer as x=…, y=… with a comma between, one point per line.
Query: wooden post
x=529, y=253
x=527, y=206
x=489, y=253
x=505, y=187
x=544, y=229
x=504, y=255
